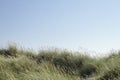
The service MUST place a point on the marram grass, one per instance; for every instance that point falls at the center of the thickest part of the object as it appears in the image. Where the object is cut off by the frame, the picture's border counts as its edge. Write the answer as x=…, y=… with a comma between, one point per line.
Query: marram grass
x=18, y=64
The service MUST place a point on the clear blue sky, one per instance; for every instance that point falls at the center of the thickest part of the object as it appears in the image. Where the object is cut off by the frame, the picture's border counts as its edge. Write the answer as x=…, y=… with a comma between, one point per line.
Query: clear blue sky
x=71, y=24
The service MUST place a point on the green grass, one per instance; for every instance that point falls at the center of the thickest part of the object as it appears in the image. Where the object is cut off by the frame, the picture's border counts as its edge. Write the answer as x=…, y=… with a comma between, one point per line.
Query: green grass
x=20, y=64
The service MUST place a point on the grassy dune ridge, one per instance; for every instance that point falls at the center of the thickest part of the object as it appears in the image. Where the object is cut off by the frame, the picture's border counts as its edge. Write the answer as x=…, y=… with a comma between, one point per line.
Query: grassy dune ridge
x=19, y=64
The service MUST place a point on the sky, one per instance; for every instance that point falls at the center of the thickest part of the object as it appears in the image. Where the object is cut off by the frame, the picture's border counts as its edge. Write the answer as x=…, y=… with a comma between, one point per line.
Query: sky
x=72, y=24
